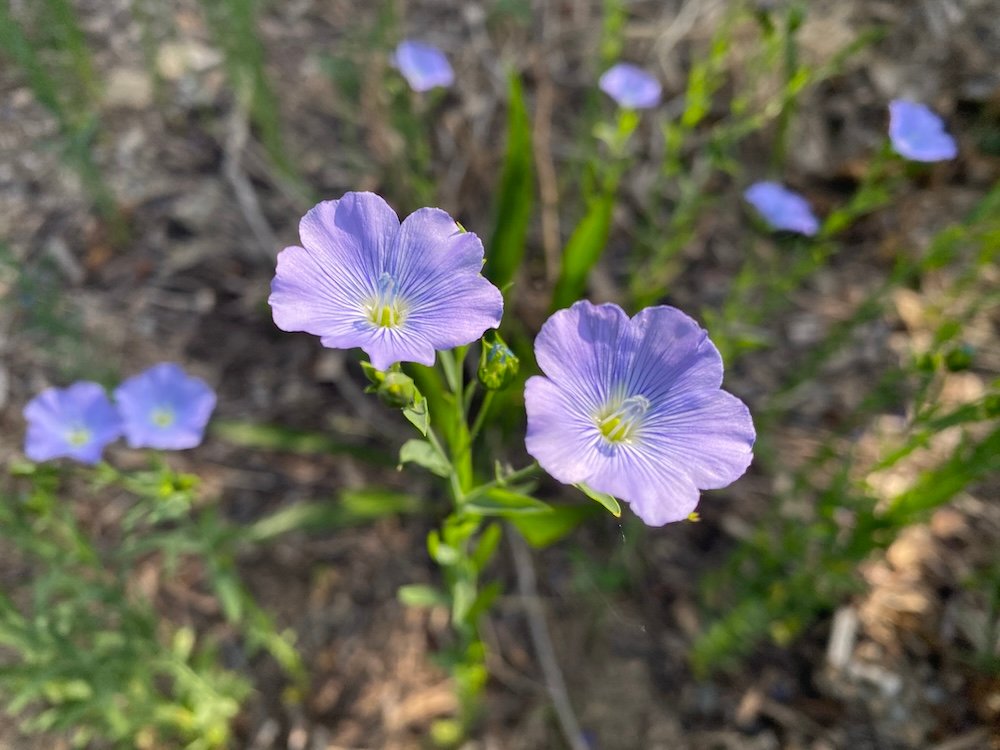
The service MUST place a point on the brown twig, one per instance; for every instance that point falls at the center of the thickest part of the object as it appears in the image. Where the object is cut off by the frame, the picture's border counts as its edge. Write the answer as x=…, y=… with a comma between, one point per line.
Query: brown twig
x=236, y=140
x=544, y=650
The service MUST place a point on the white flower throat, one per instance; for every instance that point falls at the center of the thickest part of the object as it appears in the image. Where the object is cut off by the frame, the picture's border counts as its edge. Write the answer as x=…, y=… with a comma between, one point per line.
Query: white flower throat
x=386, y=309
x=619, y=422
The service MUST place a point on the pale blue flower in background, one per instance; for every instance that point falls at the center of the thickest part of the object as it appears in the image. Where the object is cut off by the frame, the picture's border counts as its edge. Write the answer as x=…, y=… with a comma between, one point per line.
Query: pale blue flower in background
x=422, y=65
x=631, y=86
x=782, y=208
x=398, y=291
x=633, y=408
x=165, y=408
x=918, y=134
x=75, y=422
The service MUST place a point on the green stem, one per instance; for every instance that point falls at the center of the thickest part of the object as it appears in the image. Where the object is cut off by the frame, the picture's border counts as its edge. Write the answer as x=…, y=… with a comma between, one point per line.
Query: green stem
x=456, y=486
x=512, y=478
x=481, y=416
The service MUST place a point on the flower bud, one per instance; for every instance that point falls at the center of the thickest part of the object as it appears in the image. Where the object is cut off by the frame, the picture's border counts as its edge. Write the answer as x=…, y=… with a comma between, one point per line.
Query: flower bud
x=375, y=377
x=498, y=365
x=397, y=389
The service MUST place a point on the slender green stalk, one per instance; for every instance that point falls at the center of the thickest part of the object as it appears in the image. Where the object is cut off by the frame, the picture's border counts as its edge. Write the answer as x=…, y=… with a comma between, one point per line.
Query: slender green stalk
x=484, y=409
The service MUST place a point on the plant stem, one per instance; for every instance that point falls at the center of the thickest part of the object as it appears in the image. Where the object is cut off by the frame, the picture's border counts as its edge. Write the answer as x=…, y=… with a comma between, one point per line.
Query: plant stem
x=481, y=416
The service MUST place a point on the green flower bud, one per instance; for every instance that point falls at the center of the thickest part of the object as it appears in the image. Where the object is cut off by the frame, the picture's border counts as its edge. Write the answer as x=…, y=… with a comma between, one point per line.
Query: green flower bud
x=960, y=358
x=375, y=377
x=498, y=365
x=397, y=389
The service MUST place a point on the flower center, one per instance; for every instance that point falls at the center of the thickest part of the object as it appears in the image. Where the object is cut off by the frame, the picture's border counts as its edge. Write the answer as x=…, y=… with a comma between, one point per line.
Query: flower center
x=78, y=436
x=618, y=424
x=385, y=309
x=163, y=416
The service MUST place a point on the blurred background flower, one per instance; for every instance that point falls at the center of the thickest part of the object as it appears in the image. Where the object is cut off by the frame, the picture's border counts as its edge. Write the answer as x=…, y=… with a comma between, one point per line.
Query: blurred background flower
x=165, y=408
x=782, y=208
x=75, y=422
x=423, y=66
x=631, y=86
x=918, y=134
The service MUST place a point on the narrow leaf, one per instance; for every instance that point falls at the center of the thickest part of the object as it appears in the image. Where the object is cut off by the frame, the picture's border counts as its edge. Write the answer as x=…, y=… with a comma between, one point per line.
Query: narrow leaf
x=583, y=250
x=517, y=193
x=354, y=507
x=543, y=529
x=278, y=438
x=608, y=501
x=499, y=501
x=419, y=595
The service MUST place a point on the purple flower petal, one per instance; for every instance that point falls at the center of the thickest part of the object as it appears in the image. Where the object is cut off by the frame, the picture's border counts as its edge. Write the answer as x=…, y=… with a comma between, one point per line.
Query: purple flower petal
x=782, y=208
x=631, y=87
x=423, y=65
x=918, y=134
x=320, y=290
x=633, y=408
x=398, y=291
x=165, y=408
x=75, y=422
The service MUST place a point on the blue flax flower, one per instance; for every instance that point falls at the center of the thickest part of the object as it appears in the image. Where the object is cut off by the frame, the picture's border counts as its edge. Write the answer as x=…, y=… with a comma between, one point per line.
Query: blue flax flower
x=631, y=87
x=422, y=65
x=918, y=134
x=165, y=408
x=633, y=407
x=75, y=422
x=398, y=291
x=782, y=208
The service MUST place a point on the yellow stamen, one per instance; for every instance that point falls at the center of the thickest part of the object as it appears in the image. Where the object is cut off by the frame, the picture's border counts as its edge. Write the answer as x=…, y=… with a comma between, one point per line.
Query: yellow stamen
x=163, y=416
x=385, y=310
x=619, y=424
x=78, y=436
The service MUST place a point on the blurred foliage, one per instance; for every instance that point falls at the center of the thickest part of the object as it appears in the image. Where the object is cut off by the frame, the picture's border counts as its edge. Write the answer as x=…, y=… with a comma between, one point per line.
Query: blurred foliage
x=89, y=655
x=515, y=194
x=57, y=64
x=791, y=569
x=87, y=652
x=33, y=293
x=234, y=25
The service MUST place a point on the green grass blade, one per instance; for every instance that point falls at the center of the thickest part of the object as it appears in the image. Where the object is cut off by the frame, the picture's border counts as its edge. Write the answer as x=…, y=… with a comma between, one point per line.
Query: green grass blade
x=517, y=193
x=16, y=44
x=353, y=508
x=277, y=438
x=583, y=250
x=970, y=462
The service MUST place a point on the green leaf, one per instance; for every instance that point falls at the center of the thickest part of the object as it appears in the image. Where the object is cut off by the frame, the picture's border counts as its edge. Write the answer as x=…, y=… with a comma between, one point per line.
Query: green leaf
x=486, y=547
x=418, y=414
x=484, y=600
x=230, y=594
x=278, y=438
x=583, y=250
x=542, y=529
x=517, y=193
x=499, y=501
x=968, y=463
x=419, y=595
x=608, y=501
x=352, y=508
x=441, y=553
x=372, y=503
x=463, y=597
x=424, y=454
